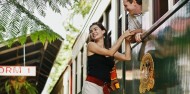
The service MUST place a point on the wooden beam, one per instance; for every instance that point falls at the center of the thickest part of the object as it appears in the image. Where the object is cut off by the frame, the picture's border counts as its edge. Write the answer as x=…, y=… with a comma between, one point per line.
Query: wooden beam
x=31, y=62
x=18, y=47
x=41, y=60
x=47, y=66
x=43, y=71
x=48, y=60
x=53, y=45
x=18, y=57
x=50, y=53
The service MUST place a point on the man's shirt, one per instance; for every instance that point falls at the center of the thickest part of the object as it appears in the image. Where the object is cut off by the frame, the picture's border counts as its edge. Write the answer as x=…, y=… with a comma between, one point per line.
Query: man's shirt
x=134, y=22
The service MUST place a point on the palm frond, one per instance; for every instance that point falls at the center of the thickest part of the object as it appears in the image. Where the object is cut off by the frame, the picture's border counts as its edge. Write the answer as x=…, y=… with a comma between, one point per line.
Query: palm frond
x=2, y=30
x=41, y=7
x=54, y=6
x=5, y=12
x=63, y=3
x=17, y=19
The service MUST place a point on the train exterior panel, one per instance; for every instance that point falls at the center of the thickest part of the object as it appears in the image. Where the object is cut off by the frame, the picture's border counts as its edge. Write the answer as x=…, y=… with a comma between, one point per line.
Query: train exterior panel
x=160, y=63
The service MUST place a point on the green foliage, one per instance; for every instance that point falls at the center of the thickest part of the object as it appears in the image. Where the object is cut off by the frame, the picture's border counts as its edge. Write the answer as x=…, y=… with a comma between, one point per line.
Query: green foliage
x=7, y=87
x=22, y=39
x=30, y=88
x=72, y=31
x=2, y=30
x=43, y=36
x=41, y=5
x=17, y=19
x=81, y=7
x=34, y=37
x=10, y=42
x=16, y=87
x=72, y=28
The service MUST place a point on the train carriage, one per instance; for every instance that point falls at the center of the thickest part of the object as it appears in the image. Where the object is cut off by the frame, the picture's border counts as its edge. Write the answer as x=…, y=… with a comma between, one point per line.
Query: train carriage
x=160, y=63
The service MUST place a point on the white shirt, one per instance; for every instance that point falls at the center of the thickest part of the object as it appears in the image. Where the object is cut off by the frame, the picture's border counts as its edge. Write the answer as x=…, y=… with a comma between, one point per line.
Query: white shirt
x=134, y=22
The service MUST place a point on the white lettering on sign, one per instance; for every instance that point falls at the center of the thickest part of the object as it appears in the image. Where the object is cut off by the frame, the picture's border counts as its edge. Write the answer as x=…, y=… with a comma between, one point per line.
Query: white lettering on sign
x=17, y=70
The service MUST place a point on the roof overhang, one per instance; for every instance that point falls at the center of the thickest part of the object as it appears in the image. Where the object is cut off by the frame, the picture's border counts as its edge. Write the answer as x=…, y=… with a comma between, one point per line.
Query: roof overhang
x=36, y=54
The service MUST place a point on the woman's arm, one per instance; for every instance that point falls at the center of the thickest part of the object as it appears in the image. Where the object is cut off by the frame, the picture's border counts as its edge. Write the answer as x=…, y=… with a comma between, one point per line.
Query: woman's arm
x=94, y=48
x=126, y=55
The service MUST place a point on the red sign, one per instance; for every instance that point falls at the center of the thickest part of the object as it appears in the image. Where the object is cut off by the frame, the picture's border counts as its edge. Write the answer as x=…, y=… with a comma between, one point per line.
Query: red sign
x=17, y=70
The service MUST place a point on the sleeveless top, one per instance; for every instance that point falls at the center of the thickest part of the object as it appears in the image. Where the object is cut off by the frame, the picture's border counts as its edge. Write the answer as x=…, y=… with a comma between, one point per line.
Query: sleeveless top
x=99, y=66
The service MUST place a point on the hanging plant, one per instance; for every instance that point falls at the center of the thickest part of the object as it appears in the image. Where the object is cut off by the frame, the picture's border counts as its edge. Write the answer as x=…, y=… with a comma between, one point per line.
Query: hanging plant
x=19, y=85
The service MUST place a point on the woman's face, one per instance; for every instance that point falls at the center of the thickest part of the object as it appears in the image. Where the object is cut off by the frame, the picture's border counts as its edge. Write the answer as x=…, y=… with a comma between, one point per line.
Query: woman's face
x=96, y=33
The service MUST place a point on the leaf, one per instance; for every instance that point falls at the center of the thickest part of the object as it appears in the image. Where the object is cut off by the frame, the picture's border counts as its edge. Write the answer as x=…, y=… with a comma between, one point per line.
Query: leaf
x=41, y=6
x=34, y=36
x=7, y=86
x=18, y=86
x=51, y=36
x=10, y=42
x=42, y=36
x=54, y=6
x=2, y=28
x=22, y=39
x=31, y=89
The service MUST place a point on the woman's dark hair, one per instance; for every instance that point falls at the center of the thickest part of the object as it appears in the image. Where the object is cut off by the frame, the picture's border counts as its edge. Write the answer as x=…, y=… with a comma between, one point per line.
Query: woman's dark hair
x=138, y=1
x=99, y=25
x=105, y=34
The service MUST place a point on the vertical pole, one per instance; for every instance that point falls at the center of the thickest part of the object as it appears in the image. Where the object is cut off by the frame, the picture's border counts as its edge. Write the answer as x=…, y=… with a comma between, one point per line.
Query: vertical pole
x=24, y=54
x=123, y=46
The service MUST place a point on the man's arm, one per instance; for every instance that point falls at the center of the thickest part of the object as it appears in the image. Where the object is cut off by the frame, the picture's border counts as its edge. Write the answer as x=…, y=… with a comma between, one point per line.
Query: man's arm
x=138, y=33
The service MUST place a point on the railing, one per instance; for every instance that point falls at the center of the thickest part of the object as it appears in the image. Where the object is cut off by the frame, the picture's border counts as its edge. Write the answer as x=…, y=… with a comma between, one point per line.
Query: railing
x=167, y=15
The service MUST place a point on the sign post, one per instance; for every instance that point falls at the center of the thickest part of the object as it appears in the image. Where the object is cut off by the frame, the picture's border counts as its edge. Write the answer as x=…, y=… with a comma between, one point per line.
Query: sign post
x=17, y=70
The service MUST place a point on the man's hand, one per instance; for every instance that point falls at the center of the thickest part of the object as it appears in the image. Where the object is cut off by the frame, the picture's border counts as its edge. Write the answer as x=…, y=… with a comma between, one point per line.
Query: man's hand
x=138, y=37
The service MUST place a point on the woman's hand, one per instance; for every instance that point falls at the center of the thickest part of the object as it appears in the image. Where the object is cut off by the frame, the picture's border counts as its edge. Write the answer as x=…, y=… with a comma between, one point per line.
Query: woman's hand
x=128, y=34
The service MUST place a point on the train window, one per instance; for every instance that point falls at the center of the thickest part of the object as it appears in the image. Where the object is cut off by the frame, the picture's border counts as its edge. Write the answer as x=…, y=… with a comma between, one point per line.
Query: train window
x=108, y=18
x=120, y=6
x=119, y=27
x=160, y=8
x=108, y=43
x=101, y=19
x=119, y=30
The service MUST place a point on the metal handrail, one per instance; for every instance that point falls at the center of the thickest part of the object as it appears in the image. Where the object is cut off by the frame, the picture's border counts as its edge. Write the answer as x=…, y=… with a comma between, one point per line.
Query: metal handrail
x=167, y=15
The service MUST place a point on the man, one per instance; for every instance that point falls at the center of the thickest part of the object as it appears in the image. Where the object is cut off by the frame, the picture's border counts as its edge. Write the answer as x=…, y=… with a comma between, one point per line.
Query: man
x=134, y=7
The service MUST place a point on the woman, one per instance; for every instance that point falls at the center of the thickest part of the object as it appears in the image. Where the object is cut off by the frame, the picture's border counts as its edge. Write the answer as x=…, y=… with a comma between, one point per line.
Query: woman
x=100, y=60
